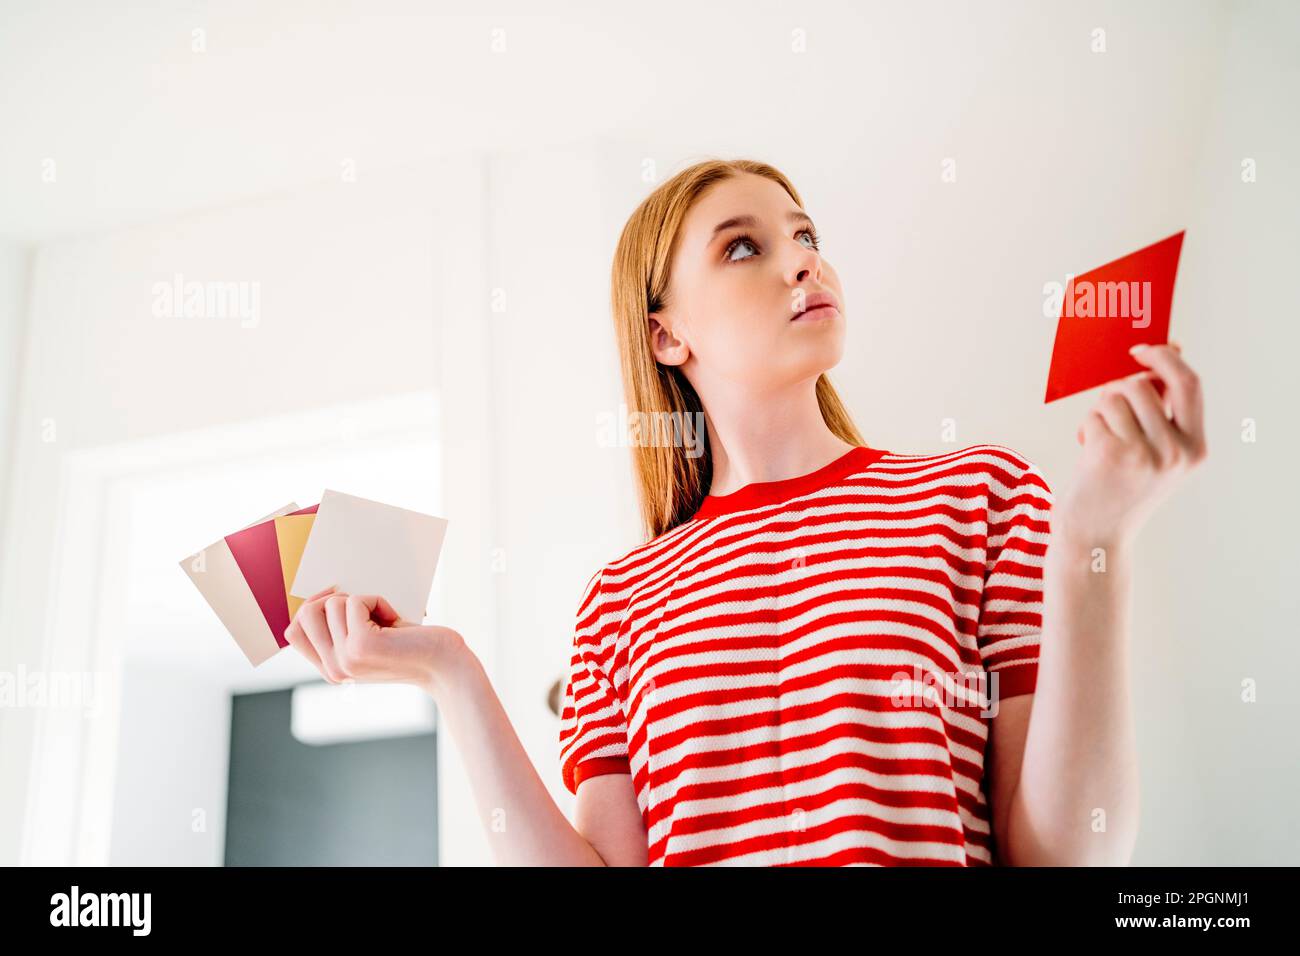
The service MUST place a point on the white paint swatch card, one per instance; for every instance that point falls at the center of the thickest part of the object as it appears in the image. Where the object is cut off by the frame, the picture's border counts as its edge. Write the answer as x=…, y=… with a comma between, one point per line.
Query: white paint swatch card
x=366, y=547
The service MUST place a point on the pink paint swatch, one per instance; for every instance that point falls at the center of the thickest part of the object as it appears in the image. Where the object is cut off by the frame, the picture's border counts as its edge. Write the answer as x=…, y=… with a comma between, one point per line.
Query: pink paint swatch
x=257, y=552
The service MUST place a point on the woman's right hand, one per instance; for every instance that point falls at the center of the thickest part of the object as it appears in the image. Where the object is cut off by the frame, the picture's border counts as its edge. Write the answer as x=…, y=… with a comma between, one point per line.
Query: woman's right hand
x=361, y=637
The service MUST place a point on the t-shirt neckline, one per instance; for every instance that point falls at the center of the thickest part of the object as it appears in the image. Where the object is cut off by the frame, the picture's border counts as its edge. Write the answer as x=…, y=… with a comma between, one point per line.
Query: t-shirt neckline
x=759, y=493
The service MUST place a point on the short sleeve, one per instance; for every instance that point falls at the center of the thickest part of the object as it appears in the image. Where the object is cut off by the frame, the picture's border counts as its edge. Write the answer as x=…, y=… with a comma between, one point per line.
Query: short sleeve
x=1011, y=606
x=593, y=727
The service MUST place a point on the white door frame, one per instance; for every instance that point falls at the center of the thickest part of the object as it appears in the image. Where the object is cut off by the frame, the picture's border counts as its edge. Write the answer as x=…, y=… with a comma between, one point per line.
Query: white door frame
x=63, y=819
x=70, y=785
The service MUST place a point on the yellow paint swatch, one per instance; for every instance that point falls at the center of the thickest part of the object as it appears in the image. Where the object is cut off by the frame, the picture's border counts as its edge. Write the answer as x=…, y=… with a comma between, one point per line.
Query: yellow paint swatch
x=291, y=533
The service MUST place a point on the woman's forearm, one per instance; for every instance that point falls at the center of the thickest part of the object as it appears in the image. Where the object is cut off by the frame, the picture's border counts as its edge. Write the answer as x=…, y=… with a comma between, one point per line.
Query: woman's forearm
x=1077, y=800
x=523, y=824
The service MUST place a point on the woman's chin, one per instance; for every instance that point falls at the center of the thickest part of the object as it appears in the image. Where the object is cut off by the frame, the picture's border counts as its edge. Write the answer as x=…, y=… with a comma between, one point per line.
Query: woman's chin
x=811, y=362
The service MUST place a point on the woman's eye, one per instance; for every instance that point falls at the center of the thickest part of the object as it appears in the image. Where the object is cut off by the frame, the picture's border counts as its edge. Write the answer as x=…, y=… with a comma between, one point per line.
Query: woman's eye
x=813, y=243
x=742, y=241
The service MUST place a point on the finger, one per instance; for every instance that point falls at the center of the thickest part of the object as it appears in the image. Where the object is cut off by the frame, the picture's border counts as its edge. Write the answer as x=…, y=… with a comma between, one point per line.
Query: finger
x=1164, y=392
x=1114, y=407
x=368, y=610
x=315, y=597
x=312, y=618
x=336, y=616
x=387, y=616
x=1150, y=412
x=297, y=639
x=1094, y=427
x=1183, y=387
x=1159, y=385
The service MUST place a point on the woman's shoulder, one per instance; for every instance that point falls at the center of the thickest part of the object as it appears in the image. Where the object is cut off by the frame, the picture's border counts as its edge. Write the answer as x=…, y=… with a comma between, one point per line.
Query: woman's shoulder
x=635, y=561
x=1002, y=463
x=987, y=451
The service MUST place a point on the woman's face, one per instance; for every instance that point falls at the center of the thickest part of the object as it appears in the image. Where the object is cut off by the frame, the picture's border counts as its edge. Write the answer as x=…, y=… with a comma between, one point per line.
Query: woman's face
x=735, y=292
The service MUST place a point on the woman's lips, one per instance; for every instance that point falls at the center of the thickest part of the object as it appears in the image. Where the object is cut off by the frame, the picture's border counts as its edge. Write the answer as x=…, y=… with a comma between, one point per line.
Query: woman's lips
x=819, y=313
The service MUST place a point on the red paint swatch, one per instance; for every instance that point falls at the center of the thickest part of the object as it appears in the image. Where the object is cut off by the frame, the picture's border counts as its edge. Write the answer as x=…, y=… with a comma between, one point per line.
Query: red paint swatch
x=257, y=552
x=1106, y=312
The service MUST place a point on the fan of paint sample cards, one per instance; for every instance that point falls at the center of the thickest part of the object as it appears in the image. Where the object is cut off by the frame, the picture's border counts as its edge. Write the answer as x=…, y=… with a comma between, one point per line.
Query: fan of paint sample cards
x=255, y=579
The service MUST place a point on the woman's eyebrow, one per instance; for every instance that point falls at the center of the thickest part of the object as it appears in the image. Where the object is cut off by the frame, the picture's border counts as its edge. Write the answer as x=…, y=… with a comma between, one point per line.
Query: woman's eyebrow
x=797, y=215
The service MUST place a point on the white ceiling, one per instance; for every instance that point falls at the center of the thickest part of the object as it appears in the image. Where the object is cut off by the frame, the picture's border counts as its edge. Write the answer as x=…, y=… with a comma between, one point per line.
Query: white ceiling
x=142, y=128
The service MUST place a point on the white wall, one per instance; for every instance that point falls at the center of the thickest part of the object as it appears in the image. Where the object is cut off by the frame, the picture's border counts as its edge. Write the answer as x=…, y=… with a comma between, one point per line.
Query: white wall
x=564, y=503
x=15, y=267
x=1216, y=601
x=15, y=264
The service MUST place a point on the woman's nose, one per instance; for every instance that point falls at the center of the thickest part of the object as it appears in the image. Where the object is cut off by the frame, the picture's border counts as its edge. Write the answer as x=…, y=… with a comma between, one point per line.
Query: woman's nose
x=805, y=263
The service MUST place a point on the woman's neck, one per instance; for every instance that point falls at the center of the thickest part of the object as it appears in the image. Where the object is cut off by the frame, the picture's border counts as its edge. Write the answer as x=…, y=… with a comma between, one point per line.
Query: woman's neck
x=767, y=437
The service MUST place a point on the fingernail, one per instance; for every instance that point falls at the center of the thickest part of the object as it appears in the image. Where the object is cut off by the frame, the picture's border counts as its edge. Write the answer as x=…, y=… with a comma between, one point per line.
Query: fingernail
x=1137, y=348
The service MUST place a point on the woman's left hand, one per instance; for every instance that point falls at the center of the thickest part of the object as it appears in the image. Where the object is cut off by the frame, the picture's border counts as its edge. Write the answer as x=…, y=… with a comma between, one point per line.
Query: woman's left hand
x=1143, y=435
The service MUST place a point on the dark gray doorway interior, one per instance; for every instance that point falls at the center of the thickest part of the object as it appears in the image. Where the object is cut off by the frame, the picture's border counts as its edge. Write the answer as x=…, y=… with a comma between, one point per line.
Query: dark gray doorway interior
x=371, y=802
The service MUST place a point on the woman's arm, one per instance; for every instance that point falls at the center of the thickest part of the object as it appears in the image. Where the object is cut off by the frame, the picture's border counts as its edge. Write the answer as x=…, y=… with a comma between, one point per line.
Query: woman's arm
x=361, y=637
x=1073, y=798
x=523, y=823
x=1075, y=802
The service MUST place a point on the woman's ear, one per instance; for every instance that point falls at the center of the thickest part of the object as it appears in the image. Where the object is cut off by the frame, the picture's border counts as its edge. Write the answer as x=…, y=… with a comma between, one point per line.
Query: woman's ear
x=667, y=348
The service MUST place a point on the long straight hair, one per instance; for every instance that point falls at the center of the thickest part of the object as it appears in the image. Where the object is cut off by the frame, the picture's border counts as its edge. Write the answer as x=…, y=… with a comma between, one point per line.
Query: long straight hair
x=671, y=483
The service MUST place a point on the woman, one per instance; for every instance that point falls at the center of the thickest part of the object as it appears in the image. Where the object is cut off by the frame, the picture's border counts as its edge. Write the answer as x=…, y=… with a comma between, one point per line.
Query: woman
x=824, y=653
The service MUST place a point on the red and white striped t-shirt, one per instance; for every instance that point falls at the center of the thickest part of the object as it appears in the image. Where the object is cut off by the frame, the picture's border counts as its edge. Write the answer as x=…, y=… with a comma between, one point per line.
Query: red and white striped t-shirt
x=803, y=673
